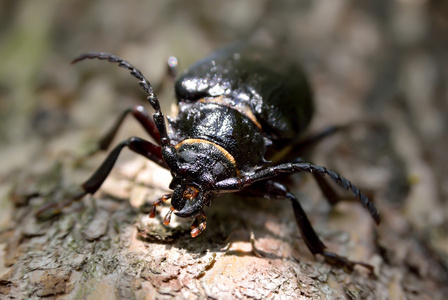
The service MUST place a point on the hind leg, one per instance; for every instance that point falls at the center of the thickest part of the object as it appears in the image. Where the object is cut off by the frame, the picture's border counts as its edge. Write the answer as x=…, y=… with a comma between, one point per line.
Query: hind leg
x=273, y=189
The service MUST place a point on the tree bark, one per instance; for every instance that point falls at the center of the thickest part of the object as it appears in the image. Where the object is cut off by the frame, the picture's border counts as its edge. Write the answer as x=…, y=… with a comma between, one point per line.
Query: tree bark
x=364, y=64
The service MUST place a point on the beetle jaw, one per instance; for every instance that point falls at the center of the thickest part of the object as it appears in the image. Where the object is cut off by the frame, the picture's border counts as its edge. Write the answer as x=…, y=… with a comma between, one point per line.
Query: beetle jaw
x=191, y=202
x=188, y=202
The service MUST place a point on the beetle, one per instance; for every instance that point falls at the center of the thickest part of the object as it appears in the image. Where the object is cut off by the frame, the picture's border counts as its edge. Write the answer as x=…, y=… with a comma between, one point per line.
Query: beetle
x=240, y=110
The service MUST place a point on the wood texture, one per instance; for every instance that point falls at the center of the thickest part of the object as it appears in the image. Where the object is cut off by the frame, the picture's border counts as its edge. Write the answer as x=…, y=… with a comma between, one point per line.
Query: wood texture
x=382, y=63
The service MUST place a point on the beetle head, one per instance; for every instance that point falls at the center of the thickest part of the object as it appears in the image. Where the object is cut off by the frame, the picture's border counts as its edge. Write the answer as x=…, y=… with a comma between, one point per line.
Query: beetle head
x=189, y=198
x=200, y=164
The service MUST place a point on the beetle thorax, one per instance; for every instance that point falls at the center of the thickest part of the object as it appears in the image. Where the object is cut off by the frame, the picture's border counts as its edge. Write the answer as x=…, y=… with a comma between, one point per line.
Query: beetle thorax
x=199, y=156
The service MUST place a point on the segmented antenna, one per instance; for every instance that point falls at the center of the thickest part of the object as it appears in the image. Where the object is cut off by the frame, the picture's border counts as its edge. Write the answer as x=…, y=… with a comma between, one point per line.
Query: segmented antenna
x=311, y=168
x=144, y=83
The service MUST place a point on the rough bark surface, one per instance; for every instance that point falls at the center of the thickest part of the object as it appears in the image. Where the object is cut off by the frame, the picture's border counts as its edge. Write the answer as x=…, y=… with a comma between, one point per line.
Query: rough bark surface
x=383, y=64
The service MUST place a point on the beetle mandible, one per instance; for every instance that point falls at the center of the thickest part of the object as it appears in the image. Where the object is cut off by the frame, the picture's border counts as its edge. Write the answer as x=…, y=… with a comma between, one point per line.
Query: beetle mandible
x=238, y=109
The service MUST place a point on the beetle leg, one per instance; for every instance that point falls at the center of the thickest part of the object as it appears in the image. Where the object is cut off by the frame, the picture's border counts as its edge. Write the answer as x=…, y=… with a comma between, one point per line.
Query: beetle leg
x=198, y=225
x=170, y=75
x=91, y=185
x=344, y=263
x=135, y=144
x=274, y=189
x=139, y=113
x=317, y=137
x=156, y=203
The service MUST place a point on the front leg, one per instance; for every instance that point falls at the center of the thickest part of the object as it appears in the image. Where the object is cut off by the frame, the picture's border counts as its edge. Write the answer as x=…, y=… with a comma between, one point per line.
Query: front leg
x=90, y=186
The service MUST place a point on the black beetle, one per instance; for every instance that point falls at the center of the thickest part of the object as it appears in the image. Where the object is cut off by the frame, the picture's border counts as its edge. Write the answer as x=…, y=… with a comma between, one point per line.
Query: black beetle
x=238, y=108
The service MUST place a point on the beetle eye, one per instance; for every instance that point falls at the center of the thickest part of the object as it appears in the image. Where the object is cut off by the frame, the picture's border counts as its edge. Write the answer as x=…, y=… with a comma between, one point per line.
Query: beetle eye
x=190, y=192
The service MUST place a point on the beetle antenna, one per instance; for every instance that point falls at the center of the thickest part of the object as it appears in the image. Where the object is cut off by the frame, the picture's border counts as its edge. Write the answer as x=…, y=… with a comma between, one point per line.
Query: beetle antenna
x=237, y=184
x=144, y=83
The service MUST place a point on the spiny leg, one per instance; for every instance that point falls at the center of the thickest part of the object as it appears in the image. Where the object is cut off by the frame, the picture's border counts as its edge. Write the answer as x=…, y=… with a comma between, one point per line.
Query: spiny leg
x=55, y=208
x=90, y=186
x=274, y=189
